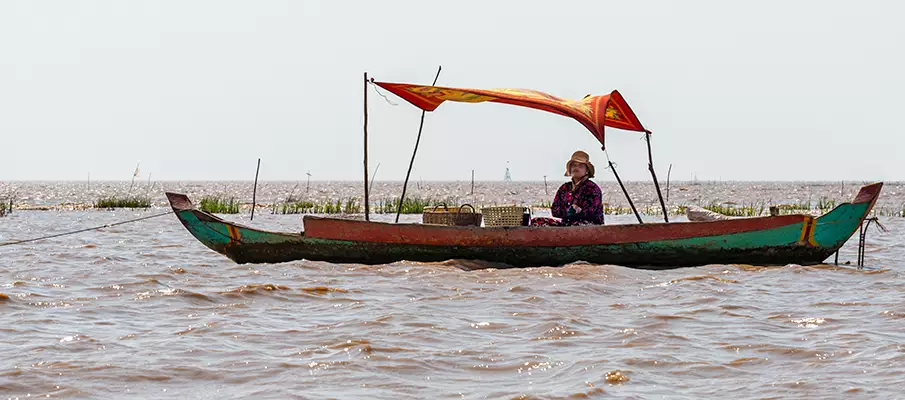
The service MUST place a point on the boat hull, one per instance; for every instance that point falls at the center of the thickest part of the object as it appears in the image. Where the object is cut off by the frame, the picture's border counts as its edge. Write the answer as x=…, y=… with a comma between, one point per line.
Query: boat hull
x=780, y=240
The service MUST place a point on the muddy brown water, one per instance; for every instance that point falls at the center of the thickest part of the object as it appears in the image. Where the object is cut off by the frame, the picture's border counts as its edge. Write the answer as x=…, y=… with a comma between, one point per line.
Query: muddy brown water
x=145, y=311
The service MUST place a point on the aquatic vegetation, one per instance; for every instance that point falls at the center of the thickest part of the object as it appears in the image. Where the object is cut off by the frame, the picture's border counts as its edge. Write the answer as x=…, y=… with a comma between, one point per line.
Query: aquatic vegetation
x=733, y=210
x=825, y=204
x=333, y=208
x=123, y=202
x=610, y=210
x=352, y=205
x=796, y=208
x=544, y=204
x=349, y=205
x=413, y=205
x=6, y=207
x=219, y=205
x=889, y=211
x=294, y=207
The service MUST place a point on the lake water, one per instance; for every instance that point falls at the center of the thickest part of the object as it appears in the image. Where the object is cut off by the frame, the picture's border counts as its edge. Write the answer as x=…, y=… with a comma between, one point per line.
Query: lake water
x=145, y=311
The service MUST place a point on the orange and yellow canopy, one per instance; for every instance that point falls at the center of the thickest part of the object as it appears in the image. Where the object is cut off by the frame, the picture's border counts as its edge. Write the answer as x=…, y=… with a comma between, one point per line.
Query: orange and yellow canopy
x=594, y=112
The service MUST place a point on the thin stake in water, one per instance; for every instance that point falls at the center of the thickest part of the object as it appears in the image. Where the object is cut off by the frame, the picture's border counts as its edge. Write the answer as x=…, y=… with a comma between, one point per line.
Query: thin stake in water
x=254, y=192
x=669, y=172
x=134, y=175
x=150, y=186
x=374, y=176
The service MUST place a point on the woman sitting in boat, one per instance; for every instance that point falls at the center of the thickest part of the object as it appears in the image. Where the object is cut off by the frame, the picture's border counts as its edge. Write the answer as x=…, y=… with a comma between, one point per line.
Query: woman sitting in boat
x=579, y=201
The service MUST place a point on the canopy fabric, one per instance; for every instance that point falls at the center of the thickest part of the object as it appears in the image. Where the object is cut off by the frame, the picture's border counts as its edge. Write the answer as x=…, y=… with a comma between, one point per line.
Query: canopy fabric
x=594, y=112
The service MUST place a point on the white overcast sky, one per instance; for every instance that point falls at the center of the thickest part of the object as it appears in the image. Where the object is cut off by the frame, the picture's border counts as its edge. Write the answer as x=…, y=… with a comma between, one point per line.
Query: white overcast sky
x=198, y=90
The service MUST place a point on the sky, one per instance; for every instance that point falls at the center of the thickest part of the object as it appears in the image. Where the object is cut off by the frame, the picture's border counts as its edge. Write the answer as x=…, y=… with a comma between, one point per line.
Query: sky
x=199, y=90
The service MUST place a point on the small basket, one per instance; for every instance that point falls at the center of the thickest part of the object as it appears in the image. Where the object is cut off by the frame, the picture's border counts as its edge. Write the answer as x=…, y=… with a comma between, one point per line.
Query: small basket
x=504, y=215
x=445, y=216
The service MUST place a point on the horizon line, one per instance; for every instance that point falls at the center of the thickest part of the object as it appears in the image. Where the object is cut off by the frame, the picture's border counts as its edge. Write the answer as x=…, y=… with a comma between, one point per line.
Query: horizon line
x=435, y=180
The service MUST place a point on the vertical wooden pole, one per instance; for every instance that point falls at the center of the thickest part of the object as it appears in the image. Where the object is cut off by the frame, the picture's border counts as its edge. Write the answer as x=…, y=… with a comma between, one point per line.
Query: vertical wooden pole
x=650, y=166
x=472, y=182
x=860, y=244
x=254, y=191
x=625, y=192
x=412, y=162
x=545, y=186
x=367, y=198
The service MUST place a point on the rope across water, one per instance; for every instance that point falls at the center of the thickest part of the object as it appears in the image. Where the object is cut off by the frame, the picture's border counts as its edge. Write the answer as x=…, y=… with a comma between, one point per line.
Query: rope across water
x=84, y=230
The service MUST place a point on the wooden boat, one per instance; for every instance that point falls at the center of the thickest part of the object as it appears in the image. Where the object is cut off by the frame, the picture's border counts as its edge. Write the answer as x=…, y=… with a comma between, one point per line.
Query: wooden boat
x=800, y=239
x=774, y=240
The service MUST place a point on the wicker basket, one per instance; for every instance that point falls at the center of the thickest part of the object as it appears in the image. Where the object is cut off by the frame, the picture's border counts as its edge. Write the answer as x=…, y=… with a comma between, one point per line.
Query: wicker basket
x=504, y=215
x=442, y=215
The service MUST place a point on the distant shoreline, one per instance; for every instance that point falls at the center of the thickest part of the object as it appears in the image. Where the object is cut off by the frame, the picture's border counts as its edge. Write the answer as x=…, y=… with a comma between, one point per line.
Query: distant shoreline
x=143, y=182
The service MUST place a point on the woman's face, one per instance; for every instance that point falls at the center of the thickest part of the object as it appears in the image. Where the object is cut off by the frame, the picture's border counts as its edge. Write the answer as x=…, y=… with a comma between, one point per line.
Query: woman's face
x=578, y=170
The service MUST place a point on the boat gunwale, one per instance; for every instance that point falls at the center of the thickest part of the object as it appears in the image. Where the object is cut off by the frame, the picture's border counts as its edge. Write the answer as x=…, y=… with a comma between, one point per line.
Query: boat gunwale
x=426, y=234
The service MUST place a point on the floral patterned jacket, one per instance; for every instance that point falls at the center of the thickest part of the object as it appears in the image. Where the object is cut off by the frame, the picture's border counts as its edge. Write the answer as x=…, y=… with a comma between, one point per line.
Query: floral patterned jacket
x=587, y=196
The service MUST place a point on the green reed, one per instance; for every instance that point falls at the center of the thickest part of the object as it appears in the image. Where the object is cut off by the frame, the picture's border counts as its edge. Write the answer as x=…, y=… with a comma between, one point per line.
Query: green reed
x=826, y=204
x=544, y=204
x=349, y=205
x=743, y=210
x=333, y=208
x=800, y=207
x=889, y=211
x=416, y=205
x=296, y=207
x=219, y=205
x=413, y=205
x=352, y=206
x=123, y=202
x=610, y=210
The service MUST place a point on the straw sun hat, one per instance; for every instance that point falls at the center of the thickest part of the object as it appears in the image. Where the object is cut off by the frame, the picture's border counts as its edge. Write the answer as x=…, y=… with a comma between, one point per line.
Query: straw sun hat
x=581, y=157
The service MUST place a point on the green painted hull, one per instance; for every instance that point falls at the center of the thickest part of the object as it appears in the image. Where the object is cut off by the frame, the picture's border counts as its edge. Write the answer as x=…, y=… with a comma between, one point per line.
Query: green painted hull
x=809, y=242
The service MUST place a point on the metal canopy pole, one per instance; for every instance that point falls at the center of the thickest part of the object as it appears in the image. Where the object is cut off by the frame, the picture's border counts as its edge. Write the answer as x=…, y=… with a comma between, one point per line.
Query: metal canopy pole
x=625, y=192
x=414, y=152
x=650, y=166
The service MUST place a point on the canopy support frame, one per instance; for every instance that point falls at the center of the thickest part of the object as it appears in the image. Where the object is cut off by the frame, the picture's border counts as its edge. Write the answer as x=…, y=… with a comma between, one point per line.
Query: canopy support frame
x=624, y=191
x=650, y=166
x=414, y=152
